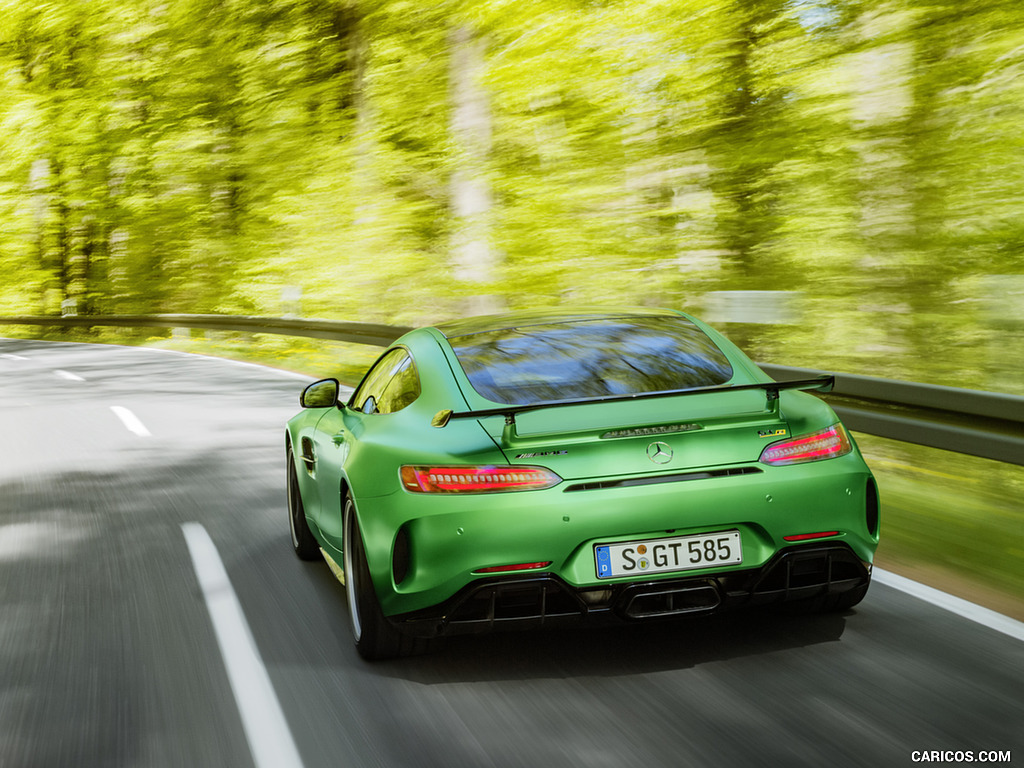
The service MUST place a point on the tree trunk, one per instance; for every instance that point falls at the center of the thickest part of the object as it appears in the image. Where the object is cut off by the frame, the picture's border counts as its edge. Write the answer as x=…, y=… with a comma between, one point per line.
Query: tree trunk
x=474, y=261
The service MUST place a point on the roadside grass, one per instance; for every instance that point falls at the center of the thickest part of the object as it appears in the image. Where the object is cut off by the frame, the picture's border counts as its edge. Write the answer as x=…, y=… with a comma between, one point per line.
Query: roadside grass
x=952, y=521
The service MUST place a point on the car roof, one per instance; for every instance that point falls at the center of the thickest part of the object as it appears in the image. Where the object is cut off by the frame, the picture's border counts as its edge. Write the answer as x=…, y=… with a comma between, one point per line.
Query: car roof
x=497, y=322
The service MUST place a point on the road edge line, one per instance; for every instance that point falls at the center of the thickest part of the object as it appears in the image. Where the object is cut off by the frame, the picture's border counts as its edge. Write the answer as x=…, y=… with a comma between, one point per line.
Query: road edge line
x=266, y=728
x=968, y=610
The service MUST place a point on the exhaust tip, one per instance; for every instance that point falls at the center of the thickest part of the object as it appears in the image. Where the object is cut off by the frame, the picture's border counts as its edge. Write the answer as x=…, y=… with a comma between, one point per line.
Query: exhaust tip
x=652, y=601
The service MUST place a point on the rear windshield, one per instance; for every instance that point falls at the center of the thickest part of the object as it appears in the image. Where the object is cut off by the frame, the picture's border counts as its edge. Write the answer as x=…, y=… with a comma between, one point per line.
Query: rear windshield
x=592, y=358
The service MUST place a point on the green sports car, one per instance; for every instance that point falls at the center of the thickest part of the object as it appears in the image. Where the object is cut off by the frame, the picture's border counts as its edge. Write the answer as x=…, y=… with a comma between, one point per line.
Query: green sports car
x=522, y=469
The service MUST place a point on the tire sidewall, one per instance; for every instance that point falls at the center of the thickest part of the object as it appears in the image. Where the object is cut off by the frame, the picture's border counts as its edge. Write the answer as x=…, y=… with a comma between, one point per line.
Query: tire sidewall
x=293, y=503
x=303, y=541
x=355, y=568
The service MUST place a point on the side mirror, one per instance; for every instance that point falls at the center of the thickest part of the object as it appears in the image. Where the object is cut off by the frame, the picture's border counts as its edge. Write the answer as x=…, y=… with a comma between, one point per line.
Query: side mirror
x=320, y=394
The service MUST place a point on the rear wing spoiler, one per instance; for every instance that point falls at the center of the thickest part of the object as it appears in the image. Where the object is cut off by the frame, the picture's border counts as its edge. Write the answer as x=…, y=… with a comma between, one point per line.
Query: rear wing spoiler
x=771, y=390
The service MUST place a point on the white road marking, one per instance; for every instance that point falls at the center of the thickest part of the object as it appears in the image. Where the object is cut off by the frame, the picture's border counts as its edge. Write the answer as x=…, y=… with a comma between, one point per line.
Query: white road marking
x=68, y=375
x=960, y=607
x=130, y=420
x=9, y=356
x=265, y=725
x=246, y=364
x=214, y=358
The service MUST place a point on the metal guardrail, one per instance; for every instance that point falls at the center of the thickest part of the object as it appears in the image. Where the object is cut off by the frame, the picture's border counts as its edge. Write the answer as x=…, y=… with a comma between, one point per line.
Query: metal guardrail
x=985, y=424
x=967, y=421
x=357, y=333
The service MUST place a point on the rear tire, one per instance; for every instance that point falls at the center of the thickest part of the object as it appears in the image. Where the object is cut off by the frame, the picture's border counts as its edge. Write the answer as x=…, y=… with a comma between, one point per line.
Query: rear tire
x=303, y=542
x=375, y=637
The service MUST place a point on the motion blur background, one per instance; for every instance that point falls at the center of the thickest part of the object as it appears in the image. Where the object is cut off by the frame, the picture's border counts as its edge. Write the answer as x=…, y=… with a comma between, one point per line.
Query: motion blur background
x=833, y=184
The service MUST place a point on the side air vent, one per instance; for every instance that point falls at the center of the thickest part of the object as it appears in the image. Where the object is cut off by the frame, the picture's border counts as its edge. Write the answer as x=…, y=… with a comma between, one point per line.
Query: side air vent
x=308, y=456
x=872, y=508
x=401, y=556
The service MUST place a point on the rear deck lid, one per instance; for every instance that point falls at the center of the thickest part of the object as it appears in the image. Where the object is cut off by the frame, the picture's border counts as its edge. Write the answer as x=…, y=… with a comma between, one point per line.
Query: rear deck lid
x=644, y=436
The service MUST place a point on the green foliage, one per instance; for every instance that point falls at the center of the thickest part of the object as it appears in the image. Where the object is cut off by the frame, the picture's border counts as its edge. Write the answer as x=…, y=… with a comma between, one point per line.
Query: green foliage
x=218, y=155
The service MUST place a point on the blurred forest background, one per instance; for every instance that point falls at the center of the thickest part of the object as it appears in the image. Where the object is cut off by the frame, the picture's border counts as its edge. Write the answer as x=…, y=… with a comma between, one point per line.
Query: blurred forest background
x=834, y=183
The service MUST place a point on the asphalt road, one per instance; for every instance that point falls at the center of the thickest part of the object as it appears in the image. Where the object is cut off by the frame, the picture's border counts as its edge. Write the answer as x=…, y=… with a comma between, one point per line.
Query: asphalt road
x=109, y=656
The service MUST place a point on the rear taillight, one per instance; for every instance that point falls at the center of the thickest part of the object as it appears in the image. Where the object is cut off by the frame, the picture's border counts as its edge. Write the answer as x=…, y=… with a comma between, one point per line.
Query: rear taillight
x=477, y=479
x=826, y=444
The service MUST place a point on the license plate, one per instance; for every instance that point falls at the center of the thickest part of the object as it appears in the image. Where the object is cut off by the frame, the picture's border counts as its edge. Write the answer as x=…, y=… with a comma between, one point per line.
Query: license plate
x=682, y=553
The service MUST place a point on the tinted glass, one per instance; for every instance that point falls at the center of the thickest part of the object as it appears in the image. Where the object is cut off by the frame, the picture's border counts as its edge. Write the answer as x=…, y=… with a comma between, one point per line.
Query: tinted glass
x=375, y=382
x=403, y=389
x=595, y=358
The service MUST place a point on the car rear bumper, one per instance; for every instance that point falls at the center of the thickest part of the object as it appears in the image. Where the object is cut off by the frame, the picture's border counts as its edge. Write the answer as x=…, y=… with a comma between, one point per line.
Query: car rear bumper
x=447, y=540
x=495, y=604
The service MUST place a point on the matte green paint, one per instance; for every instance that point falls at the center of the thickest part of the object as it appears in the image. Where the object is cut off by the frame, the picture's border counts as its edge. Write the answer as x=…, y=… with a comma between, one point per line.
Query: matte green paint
x=453, y=535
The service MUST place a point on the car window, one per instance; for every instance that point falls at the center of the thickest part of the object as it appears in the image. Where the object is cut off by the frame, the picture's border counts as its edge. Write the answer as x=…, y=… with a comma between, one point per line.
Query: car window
x=368, y=395
x=590, y=358
x=402, y=390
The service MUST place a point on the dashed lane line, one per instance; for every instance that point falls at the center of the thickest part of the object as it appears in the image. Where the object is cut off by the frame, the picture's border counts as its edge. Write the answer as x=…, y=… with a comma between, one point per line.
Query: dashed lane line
x=68, y=375
x=130, y=421
x=264, y=722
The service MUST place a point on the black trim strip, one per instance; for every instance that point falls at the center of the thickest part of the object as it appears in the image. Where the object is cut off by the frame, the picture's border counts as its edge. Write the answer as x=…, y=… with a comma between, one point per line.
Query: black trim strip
x=678, y=477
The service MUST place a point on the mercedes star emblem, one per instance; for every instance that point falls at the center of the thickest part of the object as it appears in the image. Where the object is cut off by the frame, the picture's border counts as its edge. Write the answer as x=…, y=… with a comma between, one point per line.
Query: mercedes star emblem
x=659, y=452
